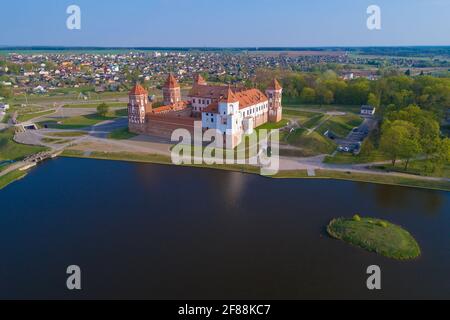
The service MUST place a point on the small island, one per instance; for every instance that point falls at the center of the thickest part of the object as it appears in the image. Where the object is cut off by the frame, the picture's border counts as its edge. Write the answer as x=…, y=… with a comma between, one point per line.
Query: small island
x=376, y=235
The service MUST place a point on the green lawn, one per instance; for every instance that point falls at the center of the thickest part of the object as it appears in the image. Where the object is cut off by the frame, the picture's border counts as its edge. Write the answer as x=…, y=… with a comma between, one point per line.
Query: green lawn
x=11, y=177
x=80, y=122
x=10, y=150
x=29, y=116
x=272, y=126
x=314, y=121
x=295, y=103
x=377, y=236
x=95, y=105
x=68, y=134
x=347, y=158
x=121, y=134
x=312, y=144
x=420, y=168
x=341, y=125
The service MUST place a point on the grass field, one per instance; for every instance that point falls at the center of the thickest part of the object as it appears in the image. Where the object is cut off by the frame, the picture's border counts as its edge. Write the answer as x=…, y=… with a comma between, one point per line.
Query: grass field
x=418, y=167
x=314, y=121
x=341, y=125
x=298, y=115
x=295, y=103
x=346, y=158
x=80, y=122
x=95, y=105
x=121, y=134
x=68, y=134
x=272, y=126
x=377, y=236
x=11, y=177
x=10, y=150
x=312, y=144
x=28, y=116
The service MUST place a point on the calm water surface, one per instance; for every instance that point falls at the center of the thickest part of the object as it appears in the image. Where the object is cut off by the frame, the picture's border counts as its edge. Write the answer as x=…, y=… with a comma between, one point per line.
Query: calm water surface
x=157, y=232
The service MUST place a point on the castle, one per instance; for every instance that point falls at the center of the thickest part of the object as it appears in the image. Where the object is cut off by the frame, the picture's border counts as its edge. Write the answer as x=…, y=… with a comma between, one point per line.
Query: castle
x=233, y=111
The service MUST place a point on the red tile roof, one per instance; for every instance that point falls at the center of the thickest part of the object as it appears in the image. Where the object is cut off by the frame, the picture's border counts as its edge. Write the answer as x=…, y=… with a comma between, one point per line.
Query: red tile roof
x=246, y=98
x=250, y=97
x=171, y=82
x=229, y=97
x=138, y=90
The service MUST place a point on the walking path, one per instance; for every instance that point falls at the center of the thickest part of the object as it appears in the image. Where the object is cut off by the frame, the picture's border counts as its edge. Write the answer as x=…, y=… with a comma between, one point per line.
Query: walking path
x=96, y=140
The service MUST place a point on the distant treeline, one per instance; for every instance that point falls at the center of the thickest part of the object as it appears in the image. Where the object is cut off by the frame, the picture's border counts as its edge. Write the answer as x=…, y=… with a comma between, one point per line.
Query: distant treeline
x=412, y=51
x=389, y=92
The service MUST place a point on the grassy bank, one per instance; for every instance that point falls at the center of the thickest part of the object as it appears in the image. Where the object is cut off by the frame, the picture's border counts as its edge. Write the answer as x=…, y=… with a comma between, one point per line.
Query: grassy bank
x=152, y=158
x=371, y=178
x=419, y=168
x=28, y=116
x=293, y=174
x=347, y=158
x=95, y=105
x=121, y=134
x=11, y=177
x=377, y=236
x=10, y=150
x=311, y=144
x=68, y=134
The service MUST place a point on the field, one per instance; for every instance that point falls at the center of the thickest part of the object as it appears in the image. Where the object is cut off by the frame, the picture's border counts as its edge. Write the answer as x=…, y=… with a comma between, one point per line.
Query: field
x=95, y=105
x=346, y=158
x=28, y=116
x=311, y=144
x=121, y=134
x=11, y=177
x=10, y=150
x=80, y=122
x=420, y=168
x=341, y=125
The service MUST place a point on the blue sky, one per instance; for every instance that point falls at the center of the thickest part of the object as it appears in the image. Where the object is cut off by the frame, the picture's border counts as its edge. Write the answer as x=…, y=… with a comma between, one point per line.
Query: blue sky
x=225, y=23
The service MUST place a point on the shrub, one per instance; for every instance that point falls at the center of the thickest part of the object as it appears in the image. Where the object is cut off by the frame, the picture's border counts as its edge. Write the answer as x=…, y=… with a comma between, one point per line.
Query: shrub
x=103, y=109
x=356, y=218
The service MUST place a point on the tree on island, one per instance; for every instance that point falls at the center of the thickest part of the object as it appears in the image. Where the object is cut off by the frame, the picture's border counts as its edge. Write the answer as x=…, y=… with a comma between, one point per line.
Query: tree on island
x=103, y=109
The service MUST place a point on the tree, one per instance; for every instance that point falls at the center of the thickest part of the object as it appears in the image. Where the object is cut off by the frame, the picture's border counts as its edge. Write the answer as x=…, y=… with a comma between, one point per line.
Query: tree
x=425, y=122
x=373, y=100
x=442, y=155
x=102, y=109
x=400, y=140
x=308, y=95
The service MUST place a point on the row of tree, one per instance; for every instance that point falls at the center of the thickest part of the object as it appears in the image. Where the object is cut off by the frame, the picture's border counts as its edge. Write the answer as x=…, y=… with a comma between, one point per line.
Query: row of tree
x=413, y=133
x=395, y=92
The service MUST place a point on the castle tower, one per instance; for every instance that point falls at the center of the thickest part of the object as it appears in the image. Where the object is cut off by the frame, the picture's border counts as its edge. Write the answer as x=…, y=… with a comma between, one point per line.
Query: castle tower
x=171, y=91
x=138, y=106
x=199, y=80
x=275, y=94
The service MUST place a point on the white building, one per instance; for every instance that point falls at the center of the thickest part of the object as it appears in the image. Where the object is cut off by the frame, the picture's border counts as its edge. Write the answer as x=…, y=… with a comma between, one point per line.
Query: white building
x=368, y=110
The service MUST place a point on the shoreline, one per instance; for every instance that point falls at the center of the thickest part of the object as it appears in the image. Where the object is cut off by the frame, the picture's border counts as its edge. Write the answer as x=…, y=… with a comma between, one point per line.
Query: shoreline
x=380, y=179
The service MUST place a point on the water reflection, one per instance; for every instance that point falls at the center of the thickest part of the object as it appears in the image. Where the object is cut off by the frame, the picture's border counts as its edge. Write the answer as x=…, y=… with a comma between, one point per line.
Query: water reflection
x=397, y=198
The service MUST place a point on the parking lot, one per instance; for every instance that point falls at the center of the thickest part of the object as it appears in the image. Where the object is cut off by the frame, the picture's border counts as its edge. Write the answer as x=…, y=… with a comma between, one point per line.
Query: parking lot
x=352, y=144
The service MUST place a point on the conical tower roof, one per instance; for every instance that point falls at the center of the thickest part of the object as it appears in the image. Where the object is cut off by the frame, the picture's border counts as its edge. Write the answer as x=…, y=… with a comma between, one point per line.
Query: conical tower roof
x=275, y=85
x=138, y=90
x=171, y=82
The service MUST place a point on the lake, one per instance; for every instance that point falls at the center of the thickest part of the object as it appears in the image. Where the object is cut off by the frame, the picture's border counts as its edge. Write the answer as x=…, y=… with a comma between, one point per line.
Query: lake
x=160, y=232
